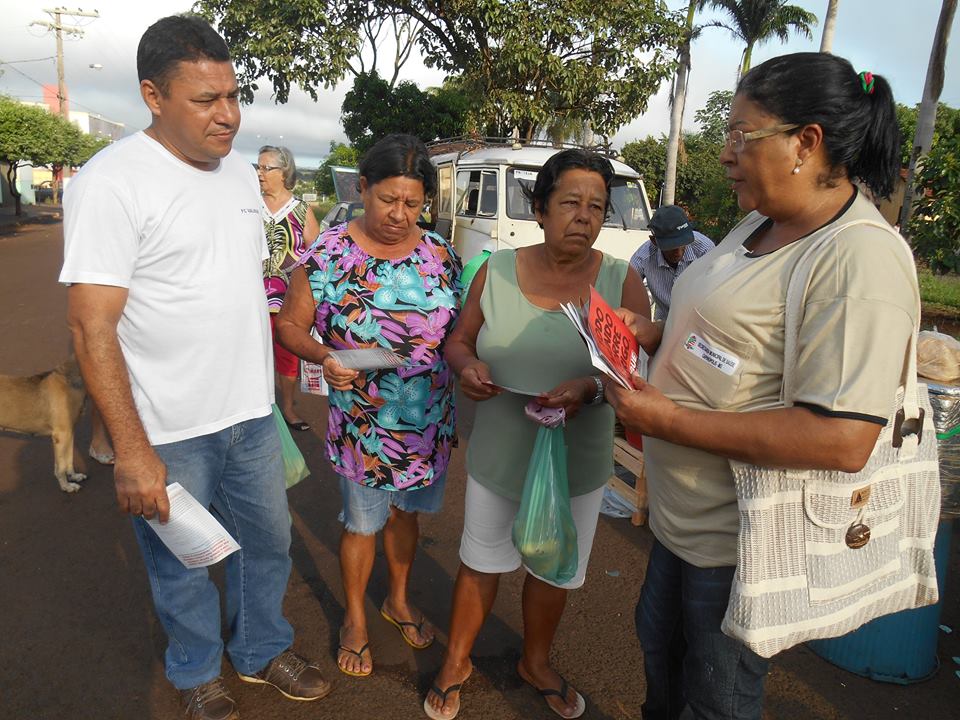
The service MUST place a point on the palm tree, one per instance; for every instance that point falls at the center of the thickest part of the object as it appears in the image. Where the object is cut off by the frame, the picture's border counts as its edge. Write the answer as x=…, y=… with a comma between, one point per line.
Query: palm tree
x=932, y=87
x=829, y=25
x=677, y=101
x=756, y=21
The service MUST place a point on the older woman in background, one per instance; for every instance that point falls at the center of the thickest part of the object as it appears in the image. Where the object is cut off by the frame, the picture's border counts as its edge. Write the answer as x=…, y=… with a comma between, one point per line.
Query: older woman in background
x=291, y=227
x=380, y=281
x=513, y=332
x=803, y=128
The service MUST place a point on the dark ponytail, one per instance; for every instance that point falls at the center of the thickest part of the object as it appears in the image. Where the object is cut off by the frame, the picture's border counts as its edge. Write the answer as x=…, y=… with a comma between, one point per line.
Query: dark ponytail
x=858, y=118
x=878, y=163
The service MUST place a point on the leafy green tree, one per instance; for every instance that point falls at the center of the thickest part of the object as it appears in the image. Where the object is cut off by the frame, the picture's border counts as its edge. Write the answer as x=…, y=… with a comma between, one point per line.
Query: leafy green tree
x=757, y=21
x=522, y=63
x=935, y=225
x=649, y=158
x=373, y=109
x=702, y=188
x=341, y=155
x=308, y=43
x=944, y=127
x=713, y=117
x=30, y=135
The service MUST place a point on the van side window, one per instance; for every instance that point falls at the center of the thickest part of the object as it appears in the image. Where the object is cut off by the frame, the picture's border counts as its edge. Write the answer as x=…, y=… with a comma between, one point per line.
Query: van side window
x=445, y=175
x=477, y=193
x=518, y=207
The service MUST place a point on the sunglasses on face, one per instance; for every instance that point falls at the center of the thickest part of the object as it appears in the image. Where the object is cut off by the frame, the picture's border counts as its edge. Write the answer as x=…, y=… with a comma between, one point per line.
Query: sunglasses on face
x=266, y=168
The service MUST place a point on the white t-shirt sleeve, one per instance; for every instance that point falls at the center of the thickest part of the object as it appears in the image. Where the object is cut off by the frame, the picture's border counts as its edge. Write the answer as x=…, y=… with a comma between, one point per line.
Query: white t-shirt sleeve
x=101, y=237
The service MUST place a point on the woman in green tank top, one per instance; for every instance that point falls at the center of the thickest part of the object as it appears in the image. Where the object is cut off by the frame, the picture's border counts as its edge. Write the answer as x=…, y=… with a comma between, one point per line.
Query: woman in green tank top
x=512, y=334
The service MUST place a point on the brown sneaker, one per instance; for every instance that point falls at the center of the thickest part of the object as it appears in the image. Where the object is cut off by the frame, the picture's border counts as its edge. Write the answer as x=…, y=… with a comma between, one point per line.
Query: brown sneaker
x=292, y=675
x=209, y=701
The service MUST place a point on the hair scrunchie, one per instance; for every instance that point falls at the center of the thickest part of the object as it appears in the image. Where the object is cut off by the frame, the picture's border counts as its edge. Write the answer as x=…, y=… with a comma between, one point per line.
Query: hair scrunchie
x=866, y=82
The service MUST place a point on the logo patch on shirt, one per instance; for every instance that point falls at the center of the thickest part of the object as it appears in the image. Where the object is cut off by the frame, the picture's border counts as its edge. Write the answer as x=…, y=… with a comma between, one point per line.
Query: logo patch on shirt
x=722, y=360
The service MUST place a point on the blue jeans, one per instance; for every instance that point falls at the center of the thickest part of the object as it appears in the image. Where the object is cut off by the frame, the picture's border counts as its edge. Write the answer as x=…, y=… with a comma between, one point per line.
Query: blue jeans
x=693, y=669
x=238, y=473
x=366, y=510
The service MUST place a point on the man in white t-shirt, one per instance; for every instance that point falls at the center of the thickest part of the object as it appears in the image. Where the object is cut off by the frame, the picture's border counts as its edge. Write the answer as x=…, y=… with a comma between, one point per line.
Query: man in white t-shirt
x=163, y=252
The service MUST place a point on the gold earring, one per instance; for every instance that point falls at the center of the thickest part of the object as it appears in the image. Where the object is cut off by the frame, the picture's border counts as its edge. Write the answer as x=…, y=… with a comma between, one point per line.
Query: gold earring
x=796, y=169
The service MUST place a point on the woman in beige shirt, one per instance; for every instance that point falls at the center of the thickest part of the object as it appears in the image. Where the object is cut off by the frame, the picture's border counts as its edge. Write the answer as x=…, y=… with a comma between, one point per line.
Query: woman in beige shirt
x=802, y=129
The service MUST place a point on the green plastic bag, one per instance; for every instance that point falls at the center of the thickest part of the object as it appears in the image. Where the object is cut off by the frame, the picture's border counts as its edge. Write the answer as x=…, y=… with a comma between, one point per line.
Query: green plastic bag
x=294, y=466
x=543, y=532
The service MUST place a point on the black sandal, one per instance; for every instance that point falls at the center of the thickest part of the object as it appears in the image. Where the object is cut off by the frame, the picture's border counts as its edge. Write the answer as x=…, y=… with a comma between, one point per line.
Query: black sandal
x=401, y=624
x=562, y=694
x=359, y=653
x=442, y=694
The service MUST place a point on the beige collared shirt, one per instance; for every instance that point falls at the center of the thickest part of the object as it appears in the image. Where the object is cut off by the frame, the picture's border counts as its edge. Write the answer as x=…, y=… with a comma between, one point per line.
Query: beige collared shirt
x=723, y=347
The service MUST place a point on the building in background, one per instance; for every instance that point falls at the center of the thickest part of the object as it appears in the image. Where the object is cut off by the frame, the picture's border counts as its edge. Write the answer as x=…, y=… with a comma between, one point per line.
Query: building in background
x=35, y=183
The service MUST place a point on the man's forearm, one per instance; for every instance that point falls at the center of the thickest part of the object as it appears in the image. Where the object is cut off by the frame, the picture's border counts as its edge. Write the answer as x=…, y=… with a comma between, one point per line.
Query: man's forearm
x=105, y=375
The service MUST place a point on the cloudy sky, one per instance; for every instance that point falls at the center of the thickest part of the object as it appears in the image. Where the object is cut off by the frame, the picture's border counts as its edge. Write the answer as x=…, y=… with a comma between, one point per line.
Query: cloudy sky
x=888, y=37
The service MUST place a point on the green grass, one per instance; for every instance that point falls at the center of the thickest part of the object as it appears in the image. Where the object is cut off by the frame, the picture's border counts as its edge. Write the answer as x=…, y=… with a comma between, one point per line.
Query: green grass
x=940, y=290
x=322, y=208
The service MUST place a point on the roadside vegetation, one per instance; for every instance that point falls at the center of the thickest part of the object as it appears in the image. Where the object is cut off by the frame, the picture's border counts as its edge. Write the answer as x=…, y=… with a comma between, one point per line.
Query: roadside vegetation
x=940, y=292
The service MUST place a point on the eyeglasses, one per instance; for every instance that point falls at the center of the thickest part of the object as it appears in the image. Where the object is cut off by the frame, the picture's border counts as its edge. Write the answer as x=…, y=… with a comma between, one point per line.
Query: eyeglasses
x=737, y=139
x=266, y=168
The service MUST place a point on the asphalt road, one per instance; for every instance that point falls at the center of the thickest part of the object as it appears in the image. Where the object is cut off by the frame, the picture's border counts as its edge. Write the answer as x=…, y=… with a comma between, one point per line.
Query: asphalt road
x=79, y=639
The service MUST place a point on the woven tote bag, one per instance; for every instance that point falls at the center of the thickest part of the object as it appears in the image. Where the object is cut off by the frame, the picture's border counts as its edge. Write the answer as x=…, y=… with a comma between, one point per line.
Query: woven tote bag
x=819, y=553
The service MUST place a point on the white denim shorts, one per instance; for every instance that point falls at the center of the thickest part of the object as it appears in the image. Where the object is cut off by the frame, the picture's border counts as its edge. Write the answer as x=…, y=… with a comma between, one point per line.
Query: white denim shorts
x=486, y=545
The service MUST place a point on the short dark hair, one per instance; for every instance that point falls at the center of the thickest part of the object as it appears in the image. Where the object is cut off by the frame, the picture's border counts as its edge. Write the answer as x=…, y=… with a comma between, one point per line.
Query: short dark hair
x=175, y=39
x=552, y=169
x=399, y=155
x=860, y=130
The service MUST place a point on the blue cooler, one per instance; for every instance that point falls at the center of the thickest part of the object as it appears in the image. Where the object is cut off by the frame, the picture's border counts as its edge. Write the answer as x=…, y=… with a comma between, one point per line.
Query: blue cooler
x=899, y=648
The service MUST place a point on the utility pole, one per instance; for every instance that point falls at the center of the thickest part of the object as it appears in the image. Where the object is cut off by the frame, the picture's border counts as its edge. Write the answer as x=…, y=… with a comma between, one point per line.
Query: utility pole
x=59, y=28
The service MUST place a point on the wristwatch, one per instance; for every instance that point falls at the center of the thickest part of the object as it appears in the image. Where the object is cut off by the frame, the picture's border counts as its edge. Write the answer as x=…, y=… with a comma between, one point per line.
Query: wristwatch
x=598, y=397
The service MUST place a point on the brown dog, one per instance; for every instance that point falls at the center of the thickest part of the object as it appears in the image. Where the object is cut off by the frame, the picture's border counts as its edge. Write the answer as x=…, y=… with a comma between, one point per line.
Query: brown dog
x=48, y=405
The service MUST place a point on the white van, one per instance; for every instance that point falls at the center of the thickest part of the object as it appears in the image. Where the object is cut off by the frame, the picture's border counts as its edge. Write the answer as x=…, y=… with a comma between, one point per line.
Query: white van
x=479, y=204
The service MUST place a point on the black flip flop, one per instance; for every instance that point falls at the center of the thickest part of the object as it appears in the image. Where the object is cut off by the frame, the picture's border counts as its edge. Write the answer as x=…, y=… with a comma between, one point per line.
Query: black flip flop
x=562, y=694
x=359, y=653
x=400, y=625
x=442, y=694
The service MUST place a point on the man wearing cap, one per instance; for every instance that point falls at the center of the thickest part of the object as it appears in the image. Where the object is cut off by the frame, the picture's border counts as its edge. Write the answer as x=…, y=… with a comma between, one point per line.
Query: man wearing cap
x=673, y=245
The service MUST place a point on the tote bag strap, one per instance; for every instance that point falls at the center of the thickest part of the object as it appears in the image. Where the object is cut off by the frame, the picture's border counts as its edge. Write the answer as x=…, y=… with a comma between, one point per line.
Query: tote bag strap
x=794, y=310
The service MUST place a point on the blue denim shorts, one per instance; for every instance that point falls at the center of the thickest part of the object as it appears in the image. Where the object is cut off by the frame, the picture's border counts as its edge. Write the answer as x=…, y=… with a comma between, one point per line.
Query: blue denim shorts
x=366, y=510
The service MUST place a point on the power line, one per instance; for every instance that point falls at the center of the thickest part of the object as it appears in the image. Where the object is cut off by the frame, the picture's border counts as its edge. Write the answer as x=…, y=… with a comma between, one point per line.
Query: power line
x=15, y=62
x=21, y=72
x=44, y=85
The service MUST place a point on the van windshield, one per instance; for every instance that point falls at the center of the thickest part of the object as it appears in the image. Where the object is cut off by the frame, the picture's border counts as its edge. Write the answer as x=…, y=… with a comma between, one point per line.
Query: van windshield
x=626, y=206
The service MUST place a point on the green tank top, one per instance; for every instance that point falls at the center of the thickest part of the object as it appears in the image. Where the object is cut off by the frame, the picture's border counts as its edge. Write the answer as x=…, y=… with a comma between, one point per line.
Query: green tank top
x=529, y=348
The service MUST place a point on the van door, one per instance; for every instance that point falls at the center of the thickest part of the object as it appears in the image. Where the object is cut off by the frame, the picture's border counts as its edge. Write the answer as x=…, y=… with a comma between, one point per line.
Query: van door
x=476, y=212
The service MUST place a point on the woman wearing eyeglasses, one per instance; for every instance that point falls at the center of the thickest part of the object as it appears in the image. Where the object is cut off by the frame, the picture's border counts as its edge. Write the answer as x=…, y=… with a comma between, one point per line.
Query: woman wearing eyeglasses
x=291, y=228
x=803, y=130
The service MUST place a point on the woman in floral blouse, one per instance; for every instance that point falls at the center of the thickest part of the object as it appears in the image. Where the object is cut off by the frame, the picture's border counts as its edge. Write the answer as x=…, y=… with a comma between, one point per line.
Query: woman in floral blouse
x=380, y=281
x=291, y=227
